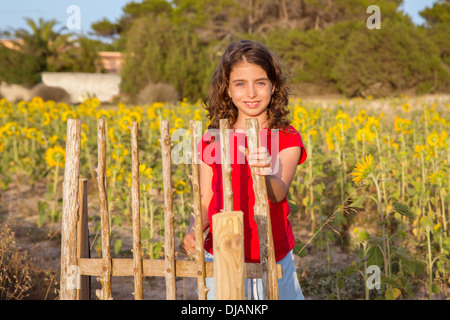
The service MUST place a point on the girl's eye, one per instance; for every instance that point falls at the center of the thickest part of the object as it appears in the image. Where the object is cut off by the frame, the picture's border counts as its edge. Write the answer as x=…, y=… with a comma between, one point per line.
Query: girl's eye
x=261, y=83
x=239, y=84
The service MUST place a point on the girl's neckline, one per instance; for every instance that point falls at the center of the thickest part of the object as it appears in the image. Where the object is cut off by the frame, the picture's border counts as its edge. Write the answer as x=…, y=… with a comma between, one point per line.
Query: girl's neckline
x=239, y=130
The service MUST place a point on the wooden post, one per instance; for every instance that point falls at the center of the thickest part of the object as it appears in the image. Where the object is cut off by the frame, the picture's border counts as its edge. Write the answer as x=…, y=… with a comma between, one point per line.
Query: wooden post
x=105, y=280
x=137, y=259
x=198, y=223
x=169, y=235
x=69, y=272
x=226, y=166
x=84, y=291
x=262, y=218
x=229, y=261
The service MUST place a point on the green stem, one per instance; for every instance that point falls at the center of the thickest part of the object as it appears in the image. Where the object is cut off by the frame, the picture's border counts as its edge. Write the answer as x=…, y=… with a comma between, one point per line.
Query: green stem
x=430, y=265
x=365, y=269
x=310, y=167
x=383, y=231
x=55, y=179
x=444, y=219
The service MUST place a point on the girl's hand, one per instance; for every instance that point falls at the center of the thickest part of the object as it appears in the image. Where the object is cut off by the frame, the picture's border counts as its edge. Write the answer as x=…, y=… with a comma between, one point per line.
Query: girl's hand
x=258, y=158
x=189, y=247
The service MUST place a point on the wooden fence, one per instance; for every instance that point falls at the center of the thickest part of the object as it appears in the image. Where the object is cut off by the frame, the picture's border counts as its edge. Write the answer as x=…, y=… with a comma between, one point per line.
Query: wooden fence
x=229, y=268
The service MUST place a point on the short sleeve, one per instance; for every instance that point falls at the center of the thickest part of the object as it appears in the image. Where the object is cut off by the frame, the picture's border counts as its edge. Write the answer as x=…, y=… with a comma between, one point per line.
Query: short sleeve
x=208, y=146
x=291, y=138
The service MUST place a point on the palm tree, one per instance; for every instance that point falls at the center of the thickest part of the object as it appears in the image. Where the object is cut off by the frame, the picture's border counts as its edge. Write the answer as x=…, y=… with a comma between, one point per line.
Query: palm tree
x=45, y=44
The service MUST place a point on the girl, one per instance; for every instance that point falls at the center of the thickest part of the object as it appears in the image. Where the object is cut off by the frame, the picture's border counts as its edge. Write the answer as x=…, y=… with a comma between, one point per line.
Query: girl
x=249, y=83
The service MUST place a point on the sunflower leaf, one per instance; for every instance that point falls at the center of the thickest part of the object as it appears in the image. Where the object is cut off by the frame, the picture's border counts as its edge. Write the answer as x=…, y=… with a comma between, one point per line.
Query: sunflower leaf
x=403, y=210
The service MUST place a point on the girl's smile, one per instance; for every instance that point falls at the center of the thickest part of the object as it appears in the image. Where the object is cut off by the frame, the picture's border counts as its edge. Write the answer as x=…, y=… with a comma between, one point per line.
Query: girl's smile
x=252, y=104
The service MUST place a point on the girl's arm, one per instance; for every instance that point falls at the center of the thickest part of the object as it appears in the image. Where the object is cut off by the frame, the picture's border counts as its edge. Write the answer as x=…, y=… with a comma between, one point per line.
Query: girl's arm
x=278, y=183
x=206, y=174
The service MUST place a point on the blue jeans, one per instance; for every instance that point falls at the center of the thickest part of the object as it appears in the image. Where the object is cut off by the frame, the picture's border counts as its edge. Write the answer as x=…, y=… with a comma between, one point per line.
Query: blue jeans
x=289, y=287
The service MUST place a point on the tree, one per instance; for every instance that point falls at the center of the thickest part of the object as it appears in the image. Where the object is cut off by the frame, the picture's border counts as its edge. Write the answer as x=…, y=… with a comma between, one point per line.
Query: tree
x=394, y=59
x=44, y=44
x=17, y=67
x=158, y=50
x=47, y=49
x=437, y=27
x=324, y=43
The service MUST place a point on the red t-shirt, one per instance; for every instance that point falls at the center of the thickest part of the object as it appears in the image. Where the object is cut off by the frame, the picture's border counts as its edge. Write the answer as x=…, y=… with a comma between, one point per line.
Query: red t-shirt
x=242, y=185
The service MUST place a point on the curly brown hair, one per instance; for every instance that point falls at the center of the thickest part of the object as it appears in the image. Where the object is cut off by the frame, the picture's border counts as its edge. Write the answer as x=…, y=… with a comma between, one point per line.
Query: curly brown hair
x=219, y=104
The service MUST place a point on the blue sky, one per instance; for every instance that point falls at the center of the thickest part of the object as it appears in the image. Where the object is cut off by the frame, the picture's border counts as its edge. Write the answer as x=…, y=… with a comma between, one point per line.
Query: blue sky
x=13, y=12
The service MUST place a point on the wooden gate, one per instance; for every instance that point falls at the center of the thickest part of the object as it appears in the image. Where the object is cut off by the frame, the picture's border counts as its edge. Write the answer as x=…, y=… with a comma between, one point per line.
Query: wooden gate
x=77, y=267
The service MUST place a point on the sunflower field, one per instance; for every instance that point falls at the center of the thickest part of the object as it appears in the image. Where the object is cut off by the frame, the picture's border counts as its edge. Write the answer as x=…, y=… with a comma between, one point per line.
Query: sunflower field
x=376, y=182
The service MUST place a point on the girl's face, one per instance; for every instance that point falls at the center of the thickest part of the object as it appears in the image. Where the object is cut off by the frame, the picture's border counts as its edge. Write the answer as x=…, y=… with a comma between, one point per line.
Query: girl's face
x=250, y=90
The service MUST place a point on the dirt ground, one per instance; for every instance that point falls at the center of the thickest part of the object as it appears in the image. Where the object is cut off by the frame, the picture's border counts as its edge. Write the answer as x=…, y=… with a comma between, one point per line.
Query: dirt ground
x=19, y=209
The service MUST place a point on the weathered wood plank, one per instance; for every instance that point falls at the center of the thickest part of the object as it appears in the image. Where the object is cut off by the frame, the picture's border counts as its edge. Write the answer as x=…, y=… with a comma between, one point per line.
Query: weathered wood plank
x=156, y=268
x=226, y=166
x=262, y=218
x=105, y=293
x=135, y=201
x=197, y=214
x=68, y=281
x=169, y=234
x=229, y=261
x=83, y=292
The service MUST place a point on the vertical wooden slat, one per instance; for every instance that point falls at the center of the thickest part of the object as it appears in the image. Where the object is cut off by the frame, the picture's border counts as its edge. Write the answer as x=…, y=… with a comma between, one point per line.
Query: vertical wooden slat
x=169, y=235
x=226, y=166
x=105, y=280
x=70, y=211
x=84, y=291
x=198, y=223
x=262, y=219
x=229, y=261
x=137, y=258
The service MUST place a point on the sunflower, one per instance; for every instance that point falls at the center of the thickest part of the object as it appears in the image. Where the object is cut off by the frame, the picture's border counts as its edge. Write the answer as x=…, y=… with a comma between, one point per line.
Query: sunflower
x=32, y=134
x=418, y=150
x=179, y=123
x=111, y=135
x=390, y=142
x=403, y=125
x=433, y=139
x=135, y=115
x=363, y=170
x=197, y=115
x=180, y=187
x=360, y=117
x=102, y=113
x=300, y=113
x=47, y=119
x=406, y=107
x=437, y=178
x=125, y=122
x=55, y=156
x=143, y=170
x=12, y=128
x=53, y=139
x=361, y=235
x=343, y=120
x=372, y=124
x=333, y=136
x=444, y=139
x=365, y=134
x=119, y=152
